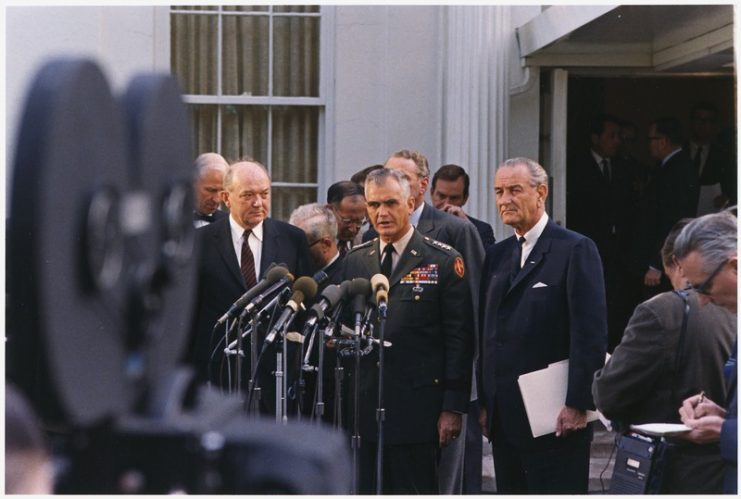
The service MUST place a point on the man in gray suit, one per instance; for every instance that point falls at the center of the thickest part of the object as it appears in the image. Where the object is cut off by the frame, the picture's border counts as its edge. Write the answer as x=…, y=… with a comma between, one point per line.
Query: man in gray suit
x=462, y=236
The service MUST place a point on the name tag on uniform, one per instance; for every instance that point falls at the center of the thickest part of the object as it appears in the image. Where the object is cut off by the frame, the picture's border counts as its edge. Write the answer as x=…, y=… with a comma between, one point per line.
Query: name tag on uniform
x=426, y=274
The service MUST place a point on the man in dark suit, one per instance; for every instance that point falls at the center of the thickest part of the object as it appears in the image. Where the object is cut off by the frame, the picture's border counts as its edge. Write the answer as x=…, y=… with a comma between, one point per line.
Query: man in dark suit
x=427, y=370
x=235, y=253
x=707, y=251
x=463, y=237
x=347, y=202
x=601, y=205
x=542, y=301
x=710, y=160
x=671, y=194
x=209, y=182
x=450, y=187
x=320, y=226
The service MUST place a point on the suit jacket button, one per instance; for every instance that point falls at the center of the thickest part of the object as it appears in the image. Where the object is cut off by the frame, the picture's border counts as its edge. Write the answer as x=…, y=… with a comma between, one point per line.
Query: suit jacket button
x=436, y=381
x=416, y=297
x=378, y=364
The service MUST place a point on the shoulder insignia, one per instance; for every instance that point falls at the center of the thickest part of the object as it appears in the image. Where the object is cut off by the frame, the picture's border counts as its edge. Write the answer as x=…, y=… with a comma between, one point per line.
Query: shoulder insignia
x=459, y=267
x=364, y=245
x=438, y=244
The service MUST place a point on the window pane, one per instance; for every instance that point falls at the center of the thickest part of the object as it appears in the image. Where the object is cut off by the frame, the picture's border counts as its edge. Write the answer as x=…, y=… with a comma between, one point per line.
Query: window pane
x=287, y=199
x=194, y=7
x=193, y=52
x=245, y=55
x=296, y=8
x=203, y=120
x=296, y=57
x=295, y=131
x=246, y=8
x=244, y=132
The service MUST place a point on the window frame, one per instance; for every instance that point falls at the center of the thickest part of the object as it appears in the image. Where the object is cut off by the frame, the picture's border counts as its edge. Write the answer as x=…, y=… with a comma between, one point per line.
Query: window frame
x=324, y=102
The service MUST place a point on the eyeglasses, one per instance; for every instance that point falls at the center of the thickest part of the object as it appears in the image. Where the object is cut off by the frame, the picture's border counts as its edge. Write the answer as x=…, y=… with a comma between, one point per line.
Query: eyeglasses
x=316, y=241
x=350, y=221
x=703, y=287
x=650, y=138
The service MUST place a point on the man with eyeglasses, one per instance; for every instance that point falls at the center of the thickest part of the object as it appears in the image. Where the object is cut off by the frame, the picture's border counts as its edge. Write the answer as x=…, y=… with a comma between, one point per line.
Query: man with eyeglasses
x=671, y=194
x=707, y=250
x=348, y=203
x=320, y=226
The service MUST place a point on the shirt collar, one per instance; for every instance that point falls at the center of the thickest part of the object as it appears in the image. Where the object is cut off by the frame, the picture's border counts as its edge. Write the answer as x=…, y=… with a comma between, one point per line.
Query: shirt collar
x=598, y=158
x=416, y=215
x=238, y=230
x=533, y=234
x=399, y=245
x=670, y=156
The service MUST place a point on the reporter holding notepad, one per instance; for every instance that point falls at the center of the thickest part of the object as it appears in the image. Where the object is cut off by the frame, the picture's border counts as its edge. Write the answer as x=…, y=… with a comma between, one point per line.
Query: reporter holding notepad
x=656, y=366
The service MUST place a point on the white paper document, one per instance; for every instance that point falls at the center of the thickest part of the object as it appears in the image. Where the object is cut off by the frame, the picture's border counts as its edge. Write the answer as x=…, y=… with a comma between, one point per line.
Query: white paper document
x=544, y=395
x=660, y=429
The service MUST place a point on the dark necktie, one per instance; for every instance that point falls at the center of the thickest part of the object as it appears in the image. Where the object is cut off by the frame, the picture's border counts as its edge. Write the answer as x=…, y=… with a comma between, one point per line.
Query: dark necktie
x=387, y=262
x=248, y=261
x=517, y=257
x=606, y=169
x=344, y=248
x=201, y=216
x=697, y=160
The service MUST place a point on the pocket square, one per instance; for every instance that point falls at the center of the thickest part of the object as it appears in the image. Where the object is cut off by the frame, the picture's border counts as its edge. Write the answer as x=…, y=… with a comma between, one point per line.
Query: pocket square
x=540, y=285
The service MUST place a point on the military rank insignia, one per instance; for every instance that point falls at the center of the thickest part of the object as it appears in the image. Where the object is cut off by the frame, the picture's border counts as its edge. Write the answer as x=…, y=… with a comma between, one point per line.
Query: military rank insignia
x=458, y=266
x=425, y=274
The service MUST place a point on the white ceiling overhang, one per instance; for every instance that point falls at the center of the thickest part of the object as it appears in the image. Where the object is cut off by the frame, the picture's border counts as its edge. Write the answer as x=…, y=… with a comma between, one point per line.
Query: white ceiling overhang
x=644, y=38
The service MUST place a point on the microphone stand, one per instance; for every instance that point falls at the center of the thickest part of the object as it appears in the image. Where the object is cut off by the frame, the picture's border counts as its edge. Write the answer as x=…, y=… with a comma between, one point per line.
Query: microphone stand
x=339, y=371
x=380, y=411
x=356, y=407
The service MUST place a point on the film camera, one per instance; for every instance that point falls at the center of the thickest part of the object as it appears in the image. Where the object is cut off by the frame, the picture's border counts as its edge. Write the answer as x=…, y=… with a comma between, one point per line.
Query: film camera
x=101, y=279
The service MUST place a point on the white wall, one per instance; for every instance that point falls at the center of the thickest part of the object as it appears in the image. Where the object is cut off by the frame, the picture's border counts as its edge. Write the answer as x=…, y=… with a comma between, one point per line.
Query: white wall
x=123, y=40
x=387, y=84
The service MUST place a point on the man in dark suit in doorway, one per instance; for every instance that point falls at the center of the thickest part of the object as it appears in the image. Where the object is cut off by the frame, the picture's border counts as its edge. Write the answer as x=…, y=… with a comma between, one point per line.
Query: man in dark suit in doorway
x=235, y=253
x=601, y=206
x=542, y=301
x=671, y=194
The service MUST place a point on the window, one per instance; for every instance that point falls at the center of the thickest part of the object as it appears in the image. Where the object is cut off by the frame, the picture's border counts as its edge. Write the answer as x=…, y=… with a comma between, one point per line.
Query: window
x=252, y=82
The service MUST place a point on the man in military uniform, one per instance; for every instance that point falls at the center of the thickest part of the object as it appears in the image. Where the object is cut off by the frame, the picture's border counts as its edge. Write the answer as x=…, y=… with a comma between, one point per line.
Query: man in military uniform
x=427, y=368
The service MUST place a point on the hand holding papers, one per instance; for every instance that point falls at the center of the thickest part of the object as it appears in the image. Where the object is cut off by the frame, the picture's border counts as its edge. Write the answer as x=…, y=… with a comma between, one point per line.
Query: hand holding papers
x=544, y=393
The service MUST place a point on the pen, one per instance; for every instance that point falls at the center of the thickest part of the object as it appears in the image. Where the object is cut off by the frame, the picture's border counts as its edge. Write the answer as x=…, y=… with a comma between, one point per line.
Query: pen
x=702, y=397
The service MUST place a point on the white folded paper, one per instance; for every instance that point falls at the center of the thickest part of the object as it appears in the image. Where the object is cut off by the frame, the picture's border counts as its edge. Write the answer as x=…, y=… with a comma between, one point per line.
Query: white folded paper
x=544, y=395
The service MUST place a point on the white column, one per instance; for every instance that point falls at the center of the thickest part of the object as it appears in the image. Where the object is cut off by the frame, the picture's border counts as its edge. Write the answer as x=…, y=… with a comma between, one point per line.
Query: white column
x=479, y=44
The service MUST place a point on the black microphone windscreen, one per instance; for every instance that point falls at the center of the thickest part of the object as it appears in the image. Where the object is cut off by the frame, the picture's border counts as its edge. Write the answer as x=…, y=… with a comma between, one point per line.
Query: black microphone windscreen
x=333, y=294
x=345, y=288
x=360, y=286
x=307, y=286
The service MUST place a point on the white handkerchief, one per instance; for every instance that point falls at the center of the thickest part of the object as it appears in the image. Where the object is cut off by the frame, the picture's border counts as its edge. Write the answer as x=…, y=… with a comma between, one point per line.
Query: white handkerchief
x=540, y=285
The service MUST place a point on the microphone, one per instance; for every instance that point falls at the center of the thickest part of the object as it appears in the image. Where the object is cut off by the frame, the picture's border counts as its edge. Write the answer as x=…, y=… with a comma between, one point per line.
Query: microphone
x=274, y=273
x=360, y=288
x=260, y=299
x=380, y=285
x=331, y=295
x=320, y=277
x=304, y=287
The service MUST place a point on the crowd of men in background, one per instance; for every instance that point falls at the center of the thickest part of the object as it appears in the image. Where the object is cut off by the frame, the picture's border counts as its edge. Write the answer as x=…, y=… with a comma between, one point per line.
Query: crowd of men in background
x=468, y=315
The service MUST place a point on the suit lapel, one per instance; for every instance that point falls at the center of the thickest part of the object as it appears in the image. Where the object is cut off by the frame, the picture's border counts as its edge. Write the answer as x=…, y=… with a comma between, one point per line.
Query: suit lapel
x=535, y=257
x=269, y=245
x=225, y=247
x=426, y=223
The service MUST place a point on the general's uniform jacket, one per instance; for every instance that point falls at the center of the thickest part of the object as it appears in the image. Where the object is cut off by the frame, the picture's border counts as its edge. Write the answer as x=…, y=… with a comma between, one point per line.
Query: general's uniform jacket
x=429, y=324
